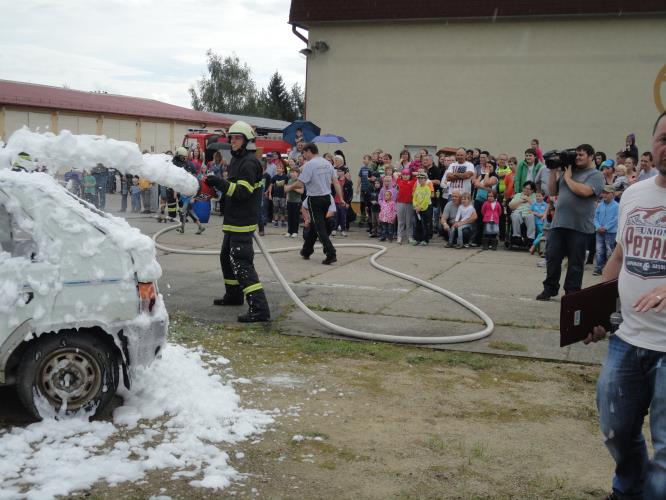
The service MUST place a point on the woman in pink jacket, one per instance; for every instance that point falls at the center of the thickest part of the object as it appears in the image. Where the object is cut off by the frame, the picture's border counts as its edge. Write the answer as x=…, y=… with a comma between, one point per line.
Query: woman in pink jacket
x=490, y=211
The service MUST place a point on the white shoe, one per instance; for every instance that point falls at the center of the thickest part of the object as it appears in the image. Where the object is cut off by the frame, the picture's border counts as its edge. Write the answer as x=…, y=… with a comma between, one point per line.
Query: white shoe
x=344, y=234
x=294, y=235
x=333, y=233
x=286, y=235
x=399, y=241
x=412, y=241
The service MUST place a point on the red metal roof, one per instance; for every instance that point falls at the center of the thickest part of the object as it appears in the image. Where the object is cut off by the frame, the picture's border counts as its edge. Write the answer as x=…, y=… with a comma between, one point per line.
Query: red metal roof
x=44, y=96
x=305, y=12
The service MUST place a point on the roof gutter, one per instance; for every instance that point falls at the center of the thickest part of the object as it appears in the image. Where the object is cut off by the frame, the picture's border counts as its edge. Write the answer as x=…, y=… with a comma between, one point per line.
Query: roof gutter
x=495, y=17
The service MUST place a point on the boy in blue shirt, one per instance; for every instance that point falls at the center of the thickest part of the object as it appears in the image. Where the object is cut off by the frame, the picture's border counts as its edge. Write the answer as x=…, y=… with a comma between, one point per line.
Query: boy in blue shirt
x=538, y=209
x=605, y=225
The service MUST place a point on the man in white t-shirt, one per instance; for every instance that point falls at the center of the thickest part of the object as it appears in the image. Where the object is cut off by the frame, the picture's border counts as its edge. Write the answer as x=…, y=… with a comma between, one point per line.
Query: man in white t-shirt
x=633, y=377
x=460, y=172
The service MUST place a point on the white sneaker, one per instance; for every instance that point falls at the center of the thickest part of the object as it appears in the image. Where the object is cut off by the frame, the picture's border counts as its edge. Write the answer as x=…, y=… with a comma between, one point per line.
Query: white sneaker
x=286, y=235
x=399, y=241
x=344, y=234
x=294, y=235
x=333, y=233
x=412, y=241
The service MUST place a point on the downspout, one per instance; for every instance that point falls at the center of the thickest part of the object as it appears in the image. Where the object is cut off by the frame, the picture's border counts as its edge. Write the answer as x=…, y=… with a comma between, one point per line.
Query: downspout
x=295, y=32
x=305, y=96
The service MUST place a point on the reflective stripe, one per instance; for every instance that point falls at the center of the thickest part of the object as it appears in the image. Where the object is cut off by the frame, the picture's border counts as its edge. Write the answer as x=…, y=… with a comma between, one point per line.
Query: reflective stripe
x=246, y=185
x=252, y=288
x=239, y=229
x=232, y=188
x=258, y=184
x=231, y=282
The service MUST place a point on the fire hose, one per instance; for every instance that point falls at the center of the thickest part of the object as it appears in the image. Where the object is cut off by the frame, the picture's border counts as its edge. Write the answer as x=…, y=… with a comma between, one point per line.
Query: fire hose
x=348, y=332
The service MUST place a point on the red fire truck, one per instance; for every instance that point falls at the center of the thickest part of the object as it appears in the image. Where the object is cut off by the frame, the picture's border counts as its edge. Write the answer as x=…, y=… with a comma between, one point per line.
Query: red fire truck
x=211, y=141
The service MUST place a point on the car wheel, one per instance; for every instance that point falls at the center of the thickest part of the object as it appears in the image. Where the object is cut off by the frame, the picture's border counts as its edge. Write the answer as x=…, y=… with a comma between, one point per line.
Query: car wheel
x=78, y=369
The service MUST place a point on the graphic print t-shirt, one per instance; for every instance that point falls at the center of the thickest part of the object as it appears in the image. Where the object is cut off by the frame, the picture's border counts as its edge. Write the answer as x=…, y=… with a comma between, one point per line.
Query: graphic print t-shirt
x=464, y=185
x=642, y=234
x=279, y=182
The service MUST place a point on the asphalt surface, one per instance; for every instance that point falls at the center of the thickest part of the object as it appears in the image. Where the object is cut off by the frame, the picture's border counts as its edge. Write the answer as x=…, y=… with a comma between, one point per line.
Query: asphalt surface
x=351, y=293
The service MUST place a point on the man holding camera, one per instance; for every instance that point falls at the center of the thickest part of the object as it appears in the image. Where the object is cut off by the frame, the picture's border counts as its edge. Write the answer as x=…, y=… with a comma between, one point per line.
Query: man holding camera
x=577, y=189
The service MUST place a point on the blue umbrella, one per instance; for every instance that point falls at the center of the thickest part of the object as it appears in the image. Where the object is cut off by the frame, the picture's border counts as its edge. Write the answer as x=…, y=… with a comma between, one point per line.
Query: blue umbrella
x=309, y=129
x=329, y=139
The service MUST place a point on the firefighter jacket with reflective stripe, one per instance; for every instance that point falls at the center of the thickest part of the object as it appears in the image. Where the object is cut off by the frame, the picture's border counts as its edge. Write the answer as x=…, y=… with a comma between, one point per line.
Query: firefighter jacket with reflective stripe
x=243, y=195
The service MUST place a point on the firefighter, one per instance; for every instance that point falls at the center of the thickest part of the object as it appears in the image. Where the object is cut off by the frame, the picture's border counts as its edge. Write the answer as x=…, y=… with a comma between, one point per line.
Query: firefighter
x=242, y=192
x=23, y=163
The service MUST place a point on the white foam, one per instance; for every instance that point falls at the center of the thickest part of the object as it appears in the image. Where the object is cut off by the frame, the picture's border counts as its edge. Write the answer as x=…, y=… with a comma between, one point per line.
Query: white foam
x=178, y=416
x=65, y=151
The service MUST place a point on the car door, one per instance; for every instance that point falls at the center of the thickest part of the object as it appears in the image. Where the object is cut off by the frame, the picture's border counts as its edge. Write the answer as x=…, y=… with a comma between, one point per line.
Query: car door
x=28, y=284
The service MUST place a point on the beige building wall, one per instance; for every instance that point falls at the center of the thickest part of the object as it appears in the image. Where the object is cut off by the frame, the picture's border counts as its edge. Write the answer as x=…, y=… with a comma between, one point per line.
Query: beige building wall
x=155, y=135
x=495, y=85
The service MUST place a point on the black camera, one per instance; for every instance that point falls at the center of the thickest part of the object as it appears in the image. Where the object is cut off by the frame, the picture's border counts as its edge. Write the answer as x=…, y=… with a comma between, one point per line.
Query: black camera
x=560, y=158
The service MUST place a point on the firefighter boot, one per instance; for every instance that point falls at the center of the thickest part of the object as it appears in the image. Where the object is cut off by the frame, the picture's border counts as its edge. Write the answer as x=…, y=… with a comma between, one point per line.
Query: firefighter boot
x=258, y=310
x=232, y=297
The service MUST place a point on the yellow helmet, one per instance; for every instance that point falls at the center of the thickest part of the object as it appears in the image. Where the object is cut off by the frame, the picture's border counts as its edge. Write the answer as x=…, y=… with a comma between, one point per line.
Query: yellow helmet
x=242, y=128
x=181, y=151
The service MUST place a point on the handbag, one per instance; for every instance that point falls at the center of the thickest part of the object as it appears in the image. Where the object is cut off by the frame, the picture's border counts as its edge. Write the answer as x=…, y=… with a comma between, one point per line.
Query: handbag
x=481, y=194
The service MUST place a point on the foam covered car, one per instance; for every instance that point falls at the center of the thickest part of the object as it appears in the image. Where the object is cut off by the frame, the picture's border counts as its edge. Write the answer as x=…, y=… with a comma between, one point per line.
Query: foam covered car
x=79, y=305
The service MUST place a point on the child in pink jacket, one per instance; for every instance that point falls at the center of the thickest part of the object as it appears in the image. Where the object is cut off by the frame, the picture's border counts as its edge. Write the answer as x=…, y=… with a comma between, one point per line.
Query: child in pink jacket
x=387, y=216
x=490, y=211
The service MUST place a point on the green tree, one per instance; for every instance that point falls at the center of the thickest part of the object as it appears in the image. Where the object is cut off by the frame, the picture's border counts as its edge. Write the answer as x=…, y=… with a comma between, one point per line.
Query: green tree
x=277, y=100
x=229, y=88
x=298, y=101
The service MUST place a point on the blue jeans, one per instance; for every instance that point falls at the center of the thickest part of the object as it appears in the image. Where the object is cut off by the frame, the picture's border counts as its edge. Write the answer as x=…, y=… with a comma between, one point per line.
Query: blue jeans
x=632, y=381
x=462, y=234
x=604, y=249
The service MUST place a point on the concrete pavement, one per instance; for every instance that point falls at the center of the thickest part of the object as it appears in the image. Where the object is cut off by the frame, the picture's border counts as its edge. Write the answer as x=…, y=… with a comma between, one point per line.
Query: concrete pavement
x=353, y=294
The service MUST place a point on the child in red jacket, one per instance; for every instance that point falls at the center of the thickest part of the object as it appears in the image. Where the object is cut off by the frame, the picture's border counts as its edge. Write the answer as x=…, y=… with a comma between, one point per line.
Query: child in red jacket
x=490, y=211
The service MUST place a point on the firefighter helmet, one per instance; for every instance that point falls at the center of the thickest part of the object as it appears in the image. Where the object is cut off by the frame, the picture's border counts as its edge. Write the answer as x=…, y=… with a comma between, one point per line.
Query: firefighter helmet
x=181, y=151
x=242, y=128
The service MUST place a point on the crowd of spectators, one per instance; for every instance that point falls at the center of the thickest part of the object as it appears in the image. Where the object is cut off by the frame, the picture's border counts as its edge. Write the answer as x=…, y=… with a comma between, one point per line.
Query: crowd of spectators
x=467, y=197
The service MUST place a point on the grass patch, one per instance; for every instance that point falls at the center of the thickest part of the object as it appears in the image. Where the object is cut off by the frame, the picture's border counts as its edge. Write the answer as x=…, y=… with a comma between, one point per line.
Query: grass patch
x=436, y=445
x=453, y=358
x=507, y=346
x=328, y=465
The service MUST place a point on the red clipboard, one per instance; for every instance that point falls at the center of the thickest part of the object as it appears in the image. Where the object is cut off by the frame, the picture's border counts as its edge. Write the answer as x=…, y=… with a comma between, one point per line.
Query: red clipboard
x=583, y=310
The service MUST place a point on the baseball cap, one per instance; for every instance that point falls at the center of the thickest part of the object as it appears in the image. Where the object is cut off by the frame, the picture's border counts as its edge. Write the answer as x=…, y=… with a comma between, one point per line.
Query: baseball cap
x=609, y=189
x=421, y=175
x=608, y=164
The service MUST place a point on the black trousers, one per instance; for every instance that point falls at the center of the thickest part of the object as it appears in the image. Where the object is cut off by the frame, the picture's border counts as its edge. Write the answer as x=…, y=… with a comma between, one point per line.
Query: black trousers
x=478, y=225
x=317, y=206
x=240, y=277
x=570, y=244
x=423, y=227
x=293, y=216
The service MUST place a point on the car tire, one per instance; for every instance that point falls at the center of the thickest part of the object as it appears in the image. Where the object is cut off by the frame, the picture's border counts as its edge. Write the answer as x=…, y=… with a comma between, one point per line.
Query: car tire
x=79, y=367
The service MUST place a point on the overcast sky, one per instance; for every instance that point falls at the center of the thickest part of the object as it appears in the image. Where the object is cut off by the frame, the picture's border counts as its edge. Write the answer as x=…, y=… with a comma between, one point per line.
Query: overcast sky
x=144, y=48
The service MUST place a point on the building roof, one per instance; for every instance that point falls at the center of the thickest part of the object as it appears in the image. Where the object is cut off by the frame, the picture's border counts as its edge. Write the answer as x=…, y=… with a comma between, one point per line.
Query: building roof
x=44, y=96
x=257, y=121
x=306, y=12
